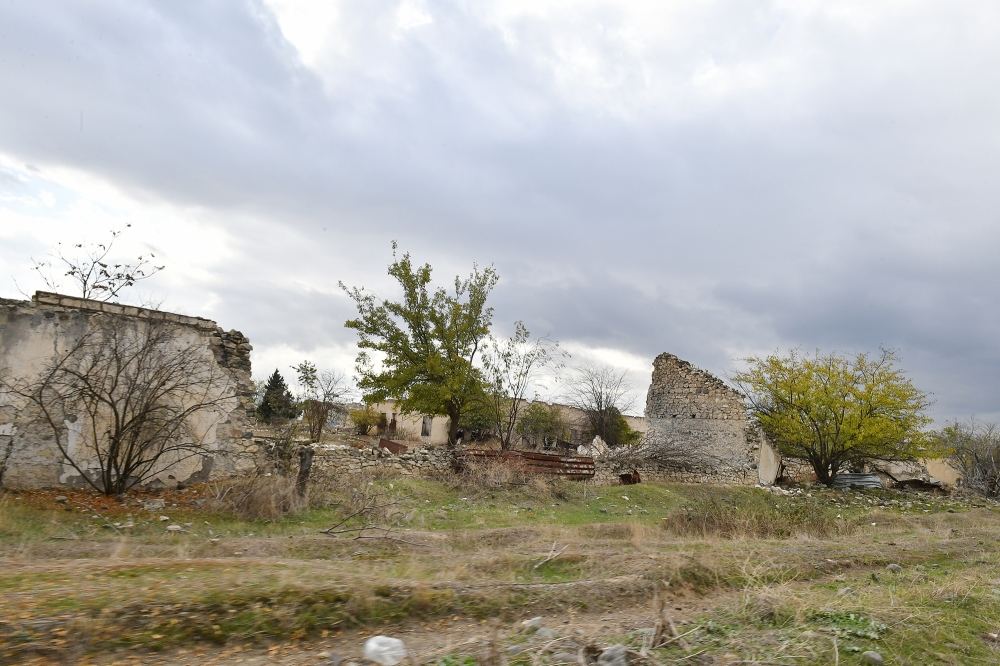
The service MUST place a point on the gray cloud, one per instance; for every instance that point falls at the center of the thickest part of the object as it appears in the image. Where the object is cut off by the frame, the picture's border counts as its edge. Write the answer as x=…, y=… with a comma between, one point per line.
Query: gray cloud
x=718, y=181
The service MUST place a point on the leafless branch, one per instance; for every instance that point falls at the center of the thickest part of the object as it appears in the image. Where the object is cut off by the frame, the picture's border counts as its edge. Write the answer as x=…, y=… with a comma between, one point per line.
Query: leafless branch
x=128, y=395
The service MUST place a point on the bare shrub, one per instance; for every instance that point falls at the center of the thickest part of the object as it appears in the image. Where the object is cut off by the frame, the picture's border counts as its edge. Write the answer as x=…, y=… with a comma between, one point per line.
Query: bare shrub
x=138, y=398
x=666, y=454
x=975, y=451
x=257, y=497
x=753, y=514
x=485, y=476
x=490, y=474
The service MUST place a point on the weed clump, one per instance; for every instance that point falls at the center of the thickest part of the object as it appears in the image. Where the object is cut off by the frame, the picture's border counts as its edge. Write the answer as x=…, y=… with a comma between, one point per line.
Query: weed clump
x=257, y=497
x=749, y=514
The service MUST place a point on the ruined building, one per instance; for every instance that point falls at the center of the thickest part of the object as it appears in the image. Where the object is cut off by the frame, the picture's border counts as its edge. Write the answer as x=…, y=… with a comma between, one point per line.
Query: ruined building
x=696, y=419
x=34, y=334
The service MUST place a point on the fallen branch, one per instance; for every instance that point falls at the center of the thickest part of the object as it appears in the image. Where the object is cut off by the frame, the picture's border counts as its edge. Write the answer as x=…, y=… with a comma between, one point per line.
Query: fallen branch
x=664, y=623
x=552, y=555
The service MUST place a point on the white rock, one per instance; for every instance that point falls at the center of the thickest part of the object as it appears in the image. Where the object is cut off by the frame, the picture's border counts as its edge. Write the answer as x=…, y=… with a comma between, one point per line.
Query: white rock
x=174, y=528
x=164, y=519
x=385, y=650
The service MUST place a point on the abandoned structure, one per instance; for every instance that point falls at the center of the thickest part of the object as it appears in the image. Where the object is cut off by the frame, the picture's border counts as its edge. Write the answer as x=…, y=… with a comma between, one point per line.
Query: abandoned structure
x=700, y=425
x=432, y=430
x=36, y=334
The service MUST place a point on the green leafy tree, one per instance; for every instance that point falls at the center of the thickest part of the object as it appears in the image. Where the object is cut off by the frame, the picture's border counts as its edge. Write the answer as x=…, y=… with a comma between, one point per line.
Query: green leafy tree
x=477, y=422
x=540, y=422
x=837, y=412
x=277, y=403
x=426, y=344
x=620, y=433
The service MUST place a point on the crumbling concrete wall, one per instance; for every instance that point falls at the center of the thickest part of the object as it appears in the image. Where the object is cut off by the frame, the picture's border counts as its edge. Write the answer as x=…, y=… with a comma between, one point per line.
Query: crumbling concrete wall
x=34, y=332
x=690, y=410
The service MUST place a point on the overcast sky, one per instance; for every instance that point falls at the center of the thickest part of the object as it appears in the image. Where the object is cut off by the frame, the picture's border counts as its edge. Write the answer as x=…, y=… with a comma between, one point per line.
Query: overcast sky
x=713, y=179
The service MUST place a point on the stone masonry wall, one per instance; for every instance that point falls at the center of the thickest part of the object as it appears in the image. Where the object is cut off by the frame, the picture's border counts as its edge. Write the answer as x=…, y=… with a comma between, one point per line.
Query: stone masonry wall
x=689, y=409
x=424, y=461
x=31, y=331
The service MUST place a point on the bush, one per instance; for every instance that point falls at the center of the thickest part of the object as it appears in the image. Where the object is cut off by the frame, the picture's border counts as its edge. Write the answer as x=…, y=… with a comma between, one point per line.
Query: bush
x=975, y=452
x=754, y=514
x=257, y=497
x=365, y=419
x=491, y=475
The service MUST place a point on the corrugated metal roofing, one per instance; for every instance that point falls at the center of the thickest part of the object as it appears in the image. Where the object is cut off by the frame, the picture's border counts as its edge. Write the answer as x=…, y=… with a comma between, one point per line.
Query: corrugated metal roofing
x=848, y=480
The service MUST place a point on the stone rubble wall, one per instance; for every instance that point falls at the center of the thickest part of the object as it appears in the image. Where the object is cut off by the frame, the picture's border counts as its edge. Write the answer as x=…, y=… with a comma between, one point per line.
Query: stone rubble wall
x=690, y=410
x=31, y=330
x=425, y=461
x=608, y=472
x=432, y=461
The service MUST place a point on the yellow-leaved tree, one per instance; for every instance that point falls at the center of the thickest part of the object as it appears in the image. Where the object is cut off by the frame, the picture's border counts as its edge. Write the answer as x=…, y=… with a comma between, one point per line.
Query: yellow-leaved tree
x=837, y=412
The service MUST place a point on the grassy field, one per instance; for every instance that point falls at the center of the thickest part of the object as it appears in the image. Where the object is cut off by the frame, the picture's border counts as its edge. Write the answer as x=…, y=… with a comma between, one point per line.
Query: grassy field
x=750, y=576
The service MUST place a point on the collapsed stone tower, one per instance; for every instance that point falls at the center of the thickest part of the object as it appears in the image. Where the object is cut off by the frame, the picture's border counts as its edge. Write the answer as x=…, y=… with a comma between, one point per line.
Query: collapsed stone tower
x=691, y=411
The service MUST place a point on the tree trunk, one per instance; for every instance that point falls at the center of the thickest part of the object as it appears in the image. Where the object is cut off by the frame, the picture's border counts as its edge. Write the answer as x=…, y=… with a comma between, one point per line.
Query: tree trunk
x=822, y=470
x=306, y=454
x=454, y=414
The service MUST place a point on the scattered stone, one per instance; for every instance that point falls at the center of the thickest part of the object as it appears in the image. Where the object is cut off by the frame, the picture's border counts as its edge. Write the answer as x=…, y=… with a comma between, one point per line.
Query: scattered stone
x=174, y=528
x=61, y=499
x=516, y=649
x=545, y=634
x=871, y=657
x=385, y=650
x=164, y=519
x=534, y=624
x=616, y=655
x=154, y=504
x=894, y=568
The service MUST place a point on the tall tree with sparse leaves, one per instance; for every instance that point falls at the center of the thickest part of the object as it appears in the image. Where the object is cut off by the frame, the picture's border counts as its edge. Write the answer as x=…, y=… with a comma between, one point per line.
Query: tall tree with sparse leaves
x=425, y=344
x=321, y=392
x=510, y=369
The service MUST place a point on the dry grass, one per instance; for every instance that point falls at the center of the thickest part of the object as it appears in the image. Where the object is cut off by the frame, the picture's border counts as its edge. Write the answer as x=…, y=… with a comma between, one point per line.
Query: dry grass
x=756, y=514
x=256, y=497
x=224, y=579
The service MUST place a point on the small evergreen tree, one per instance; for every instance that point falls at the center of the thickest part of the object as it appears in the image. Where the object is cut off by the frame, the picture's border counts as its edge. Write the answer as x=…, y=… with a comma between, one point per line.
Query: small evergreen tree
x=277, y=403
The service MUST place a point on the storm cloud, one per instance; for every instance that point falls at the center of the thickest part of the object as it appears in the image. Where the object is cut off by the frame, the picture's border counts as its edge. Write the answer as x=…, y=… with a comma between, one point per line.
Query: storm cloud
x=710, y=179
